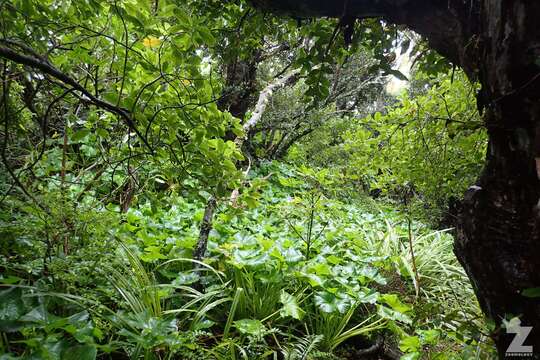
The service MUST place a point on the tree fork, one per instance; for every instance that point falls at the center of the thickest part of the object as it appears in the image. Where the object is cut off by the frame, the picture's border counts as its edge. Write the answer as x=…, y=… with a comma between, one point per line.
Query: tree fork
x=496, y=42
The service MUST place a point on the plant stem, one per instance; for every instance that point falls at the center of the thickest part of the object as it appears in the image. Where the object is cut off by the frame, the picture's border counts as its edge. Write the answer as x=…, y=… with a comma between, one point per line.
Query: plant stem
x=416, y=277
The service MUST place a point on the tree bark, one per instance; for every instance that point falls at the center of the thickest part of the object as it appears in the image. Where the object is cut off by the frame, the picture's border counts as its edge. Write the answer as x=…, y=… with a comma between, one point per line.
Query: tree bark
x=206, y=227
x=496, y=42
x=264, y=97
x=498, y=237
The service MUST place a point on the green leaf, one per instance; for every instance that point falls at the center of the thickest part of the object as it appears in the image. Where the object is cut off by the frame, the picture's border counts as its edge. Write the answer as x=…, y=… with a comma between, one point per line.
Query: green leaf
x=10, y=280
x=250, y=327
x=531, y=292
x=38, y=315
x=290, y=306
x=409, y=344
x=102, y=132
x=393, y=301
x=390, y=314
x=207, y=36
x=80, y=134
x=330, y=303
x=371, y=274
x=321, y=269
x=368, y=296
x=80, y=352
x=332, y=259
x=182, y=17
x=430, y=337
x=11, y=309
x=314, y=280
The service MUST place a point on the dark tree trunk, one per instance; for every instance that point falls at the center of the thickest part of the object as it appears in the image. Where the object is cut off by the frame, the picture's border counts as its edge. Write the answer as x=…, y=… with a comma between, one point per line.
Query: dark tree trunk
x=498, y=240
x=498, y=43
x=240, y=85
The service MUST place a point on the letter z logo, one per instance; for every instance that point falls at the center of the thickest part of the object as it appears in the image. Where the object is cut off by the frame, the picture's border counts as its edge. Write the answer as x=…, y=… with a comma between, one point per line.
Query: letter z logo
x=516, y=346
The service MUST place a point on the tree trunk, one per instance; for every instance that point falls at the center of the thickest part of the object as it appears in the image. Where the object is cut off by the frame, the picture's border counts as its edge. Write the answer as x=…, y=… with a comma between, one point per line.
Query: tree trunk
x=497, y=234
x=496, y=42
x=206, y=227
x=240, y=85
x=498, y=240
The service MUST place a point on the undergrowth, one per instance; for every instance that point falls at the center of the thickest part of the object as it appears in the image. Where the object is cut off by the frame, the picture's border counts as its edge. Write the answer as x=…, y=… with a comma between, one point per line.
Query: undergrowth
x=296, y=269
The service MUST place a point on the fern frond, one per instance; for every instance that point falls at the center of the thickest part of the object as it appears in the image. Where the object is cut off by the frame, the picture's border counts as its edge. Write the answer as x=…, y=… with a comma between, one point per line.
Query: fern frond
x=302, y=348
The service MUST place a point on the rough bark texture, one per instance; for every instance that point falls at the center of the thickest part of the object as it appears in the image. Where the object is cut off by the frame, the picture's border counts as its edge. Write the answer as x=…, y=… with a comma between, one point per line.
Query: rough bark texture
x=206, y=227
x=498, y=43
x=498, y=240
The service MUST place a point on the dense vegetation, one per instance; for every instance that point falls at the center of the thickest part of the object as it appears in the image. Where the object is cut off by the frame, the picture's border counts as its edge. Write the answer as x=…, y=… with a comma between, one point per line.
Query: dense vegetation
x=199, y=180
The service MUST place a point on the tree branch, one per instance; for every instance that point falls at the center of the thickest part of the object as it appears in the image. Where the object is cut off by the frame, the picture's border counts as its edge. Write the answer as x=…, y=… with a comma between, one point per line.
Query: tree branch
x=47, y=68
x=262, y=102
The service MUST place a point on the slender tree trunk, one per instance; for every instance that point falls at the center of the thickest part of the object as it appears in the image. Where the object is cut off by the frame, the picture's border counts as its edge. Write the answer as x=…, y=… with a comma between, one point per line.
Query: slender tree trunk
x=206, y=227
x=237, y=96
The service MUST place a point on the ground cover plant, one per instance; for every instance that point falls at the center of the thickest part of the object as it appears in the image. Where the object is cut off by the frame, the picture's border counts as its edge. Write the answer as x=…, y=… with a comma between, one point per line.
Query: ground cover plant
x=299, y=270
